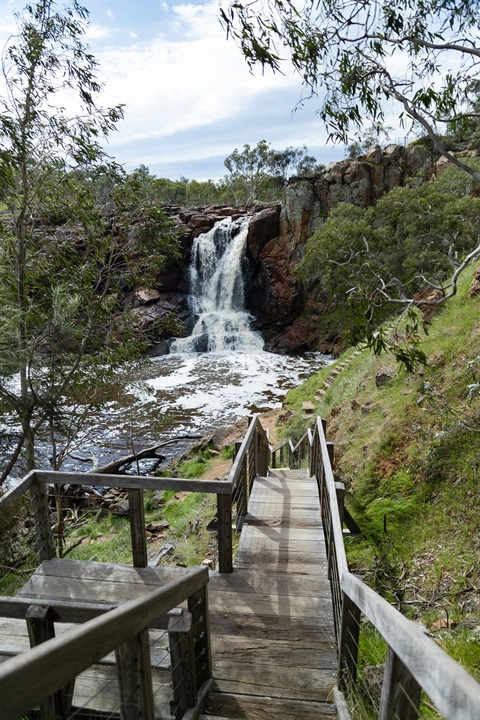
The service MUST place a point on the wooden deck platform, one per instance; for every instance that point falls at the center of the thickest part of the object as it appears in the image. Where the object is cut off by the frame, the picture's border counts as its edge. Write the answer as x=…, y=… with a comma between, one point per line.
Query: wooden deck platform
x=271, y=619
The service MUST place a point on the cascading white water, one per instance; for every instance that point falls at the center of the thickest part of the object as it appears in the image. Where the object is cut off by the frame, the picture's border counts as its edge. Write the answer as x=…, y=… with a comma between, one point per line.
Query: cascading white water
x=217, y=293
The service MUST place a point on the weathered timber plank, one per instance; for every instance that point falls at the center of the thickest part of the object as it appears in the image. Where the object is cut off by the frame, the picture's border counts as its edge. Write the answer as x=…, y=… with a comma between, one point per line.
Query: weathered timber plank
x=133, y=481
x=269, y=604
x=260, y=508
x=258, y=543
x=299, y=518
x=272, y=630
x=300, y=567
x=270, y=681
x=62, y=567
x=282, y=492
x=289, y=489
x=303, y=653
x=257, y=539
x=259, y=708
x=251, y=581
x=69, y=656
x=97, y=689
x=318, y=629
x=73, y=580
x=13, y=632
x=286, y=473
x=78, y=590
x=283, y=536
x=256, y=557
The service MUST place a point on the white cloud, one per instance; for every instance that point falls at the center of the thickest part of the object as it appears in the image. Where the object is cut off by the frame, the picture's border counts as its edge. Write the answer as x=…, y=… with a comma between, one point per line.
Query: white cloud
x=95, y=32
x=189, y=77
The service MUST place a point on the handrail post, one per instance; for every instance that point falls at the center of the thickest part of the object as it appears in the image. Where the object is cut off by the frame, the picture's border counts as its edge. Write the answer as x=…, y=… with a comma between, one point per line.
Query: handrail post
x=135, y=678
x=348, y=634
x=137, y=527
x=244, y=491
x=182, y=654
x=225, y=550
x=400, y=691
x=340, y=492
x=41, y=515
x=40, y=628
x=198, y=608
x=331, y=453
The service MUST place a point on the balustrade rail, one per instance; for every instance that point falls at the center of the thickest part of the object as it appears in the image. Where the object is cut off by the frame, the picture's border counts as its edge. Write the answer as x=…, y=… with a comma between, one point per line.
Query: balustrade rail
x=413, y=662
x=50, y=669
x=115, y=664
x=413, y=667
x=252, y=459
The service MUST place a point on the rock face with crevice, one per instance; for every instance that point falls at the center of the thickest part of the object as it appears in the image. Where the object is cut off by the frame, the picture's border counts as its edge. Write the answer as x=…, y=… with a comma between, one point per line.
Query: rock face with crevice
x=287, y=312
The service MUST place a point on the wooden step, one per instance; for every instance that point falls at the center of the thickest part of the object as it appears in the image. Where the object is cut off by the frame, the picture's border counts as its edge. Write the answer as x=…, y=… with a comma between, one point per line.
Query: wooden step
x=253, y=707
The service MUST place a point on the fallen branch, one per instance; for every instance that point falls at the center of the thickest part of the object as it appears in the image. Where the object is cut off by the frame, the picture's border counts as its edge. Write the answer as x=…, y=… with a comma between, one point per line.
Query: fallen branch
x=151, y=452
x=75, y=544
x=6, y=568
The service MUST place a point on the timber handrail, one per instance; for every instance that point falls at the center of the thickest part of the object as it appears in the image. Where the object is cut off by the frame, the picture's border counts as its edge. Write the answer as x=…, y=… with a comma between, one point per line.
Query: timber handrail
x=282, y=454
x=414, y=661
x=252, y=459
x=50, y=666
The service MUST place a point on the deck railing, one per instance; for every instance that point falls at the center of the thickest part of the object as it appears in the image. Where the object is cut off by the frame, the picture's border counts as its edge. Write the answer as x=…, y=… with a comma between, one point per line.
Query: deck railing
x=282, y=454
x=123, y=630
x=413, y=662
x=130, y=681
x=252, y=459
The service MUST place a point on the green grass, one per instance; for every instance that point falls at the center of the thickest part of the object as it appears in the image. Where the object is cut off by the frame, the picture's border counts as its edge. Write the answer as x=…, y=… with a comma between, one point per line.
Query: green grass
x=196, y=466
x=104, y=539
x=107, y=538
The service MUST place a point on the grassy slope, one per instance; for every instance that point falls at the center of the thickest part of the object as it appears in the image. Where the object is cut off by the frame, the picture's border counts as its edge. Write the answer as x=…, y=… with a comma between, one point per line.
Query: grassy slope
x=409, y=453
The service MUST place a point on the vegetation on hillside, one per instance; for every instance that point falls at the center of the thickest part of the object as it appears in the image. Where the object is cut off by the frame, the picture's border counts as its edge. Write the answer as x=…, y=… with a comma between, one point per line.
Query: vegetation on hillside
x=399, y=258
x=255, y=174
x=408, y=448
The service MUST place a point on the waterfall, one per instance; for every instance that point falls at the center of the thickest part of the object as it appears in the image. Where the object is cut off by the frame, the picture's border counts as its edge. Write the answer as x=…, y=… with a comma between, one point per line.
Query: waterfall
x=217, y=292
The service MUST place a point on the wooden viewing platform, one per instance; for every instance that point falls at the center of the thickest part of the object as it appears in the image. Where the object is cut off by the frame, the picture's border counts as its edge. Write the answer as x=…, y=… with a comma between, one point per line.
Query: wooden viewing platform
x=271, y=619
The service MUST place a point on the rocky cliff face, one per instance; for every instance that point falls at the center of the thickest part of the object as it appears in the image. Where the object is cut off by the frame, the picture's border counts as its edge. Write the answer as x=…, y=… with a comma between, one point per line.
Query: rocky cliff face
x=278, y=235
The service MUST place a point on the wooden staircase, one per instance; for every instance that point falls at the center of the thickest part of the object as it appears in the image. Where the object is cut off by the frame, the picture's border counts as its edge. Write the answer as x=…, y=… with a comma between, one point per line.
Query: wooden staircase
x=273, y=643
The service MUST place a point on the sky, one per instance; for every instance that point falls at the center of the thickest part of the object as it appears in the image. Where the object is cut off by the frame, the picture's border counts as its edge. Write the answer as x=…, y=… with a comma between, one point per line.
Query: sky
x=189, y=96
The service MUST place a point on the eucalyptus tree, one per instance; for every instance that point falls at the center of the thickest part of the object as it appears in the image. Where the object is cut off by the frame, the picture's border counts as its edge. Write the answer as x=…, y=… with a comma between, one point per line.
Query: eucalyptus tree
x=357, y=55
x=63, y=263
x=260, y=172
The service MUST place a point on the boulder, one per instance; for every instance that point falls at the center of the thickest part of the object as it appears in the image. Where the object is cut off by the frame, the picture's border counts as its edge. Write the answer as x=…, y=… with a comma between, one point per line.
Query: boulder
x=297, y=338
x=374, y=154
x=146, y=296
x=200, y=343
x=384, y=377
x=356, y=171
x=474, y=290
